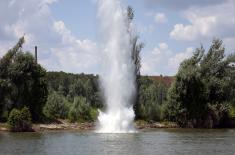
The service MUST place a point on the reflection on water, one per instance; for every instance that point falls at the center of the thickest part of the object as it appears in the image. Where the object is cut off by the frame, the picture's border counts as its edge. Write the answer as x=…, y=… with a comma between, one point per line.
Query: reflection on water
x=160, y=141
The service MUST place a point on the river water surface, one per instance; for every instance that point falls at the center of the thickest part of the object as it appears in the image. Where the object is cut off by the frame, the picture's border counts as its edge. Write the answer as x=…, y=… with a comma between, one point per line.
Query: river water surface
x=151, y=142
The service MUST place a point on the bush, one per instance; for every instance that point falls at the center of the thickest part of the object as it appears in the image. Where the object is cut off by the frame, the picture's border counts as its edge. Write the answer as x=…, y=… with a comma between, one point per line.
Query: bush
x=232, y=112
x=151, y=97
x=93, y=114
x=56, y=107
x=20, y=120
x=81, y=110
x=157, y=112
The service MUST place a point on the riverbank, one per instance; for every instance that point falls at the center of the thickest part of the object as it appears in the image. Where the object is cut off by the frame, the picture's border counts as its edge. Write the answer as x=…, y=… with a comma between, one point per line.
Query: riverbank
x=63, y=125
x=66, y=125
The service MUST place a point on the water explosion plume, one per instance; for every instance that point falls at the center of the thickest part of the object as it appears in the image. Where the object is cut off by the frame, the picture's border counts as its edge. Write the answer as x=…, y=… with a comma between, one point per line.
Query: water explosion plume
x=118, y=78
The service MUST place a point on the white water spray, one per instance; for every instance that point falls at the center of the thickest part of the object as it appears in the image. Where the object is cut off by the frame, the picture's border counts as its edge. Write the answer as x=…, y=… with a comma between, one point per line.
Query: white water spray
x=117, y=80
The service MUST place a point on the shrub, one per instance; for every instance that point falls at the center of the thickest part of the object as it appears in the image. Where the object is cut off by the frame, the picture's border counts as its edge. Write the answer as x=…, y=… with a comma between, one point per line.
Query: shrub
x=156, y=112
x=151, y=97
x=80, y=110
x=93, y=114
x=20, y=120
x=56, y=106
x=232, y=112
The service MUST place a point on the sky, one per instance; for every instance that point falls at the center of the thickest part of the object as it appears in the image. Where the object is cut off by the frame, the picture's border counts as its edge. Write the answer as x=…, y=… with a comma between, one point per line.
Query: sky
x=68, y=39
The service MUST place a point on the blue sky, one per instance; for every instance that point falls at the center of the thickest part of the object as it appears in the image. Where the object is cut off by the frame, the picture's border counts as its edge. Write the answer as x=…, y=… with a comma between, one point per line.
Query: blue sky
x=66, y=31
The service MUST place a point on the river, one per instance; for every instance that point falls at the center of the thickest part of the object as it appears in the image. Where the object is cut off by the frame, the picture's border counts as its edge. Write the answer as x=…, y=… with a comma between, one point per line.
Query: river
x=149, y=142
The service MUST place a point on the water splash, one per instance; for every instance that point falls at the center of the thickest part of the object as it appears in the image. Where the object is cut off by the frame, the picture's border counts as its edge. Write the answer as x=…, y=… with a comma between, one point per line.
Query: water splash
x=117, y=80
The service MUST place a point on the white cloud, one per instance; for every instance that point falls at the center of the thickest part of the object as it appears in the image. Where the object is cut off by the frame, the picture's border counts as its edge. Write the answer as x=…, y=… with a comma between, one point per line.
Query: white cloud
x=201, y=27
x=160, y=18
x=229, y=45
x=5, y=46
x=154, y=61
x=179, y=4
x=161, y=60
x=207, y=22
x=75, y=54
x=175, y=61
x=58, y=48
x=49, y=1
x=163, y=46
x=143, y=29
x=60, y=28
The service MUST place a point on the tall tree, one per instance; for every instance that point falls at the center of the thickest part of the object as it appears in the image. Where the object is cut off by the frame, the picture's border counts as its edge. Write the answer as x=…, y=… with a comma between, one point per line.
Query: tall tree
x=204, y=85
x=6, y=87
x=24, y=81
x=136, y=48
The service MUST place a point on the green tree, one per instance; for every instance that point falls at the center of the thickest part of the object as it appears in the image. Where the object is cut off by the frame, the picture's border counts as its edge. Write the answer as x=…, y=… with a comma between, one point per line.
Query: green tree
x=152, y=98
x=204, y=85
x=20, y=120
x=80, y=110
x=22, y=82
x=56, y=106
x=6, y=87
x=77, y=84
x=136, y=47
x=77, y=89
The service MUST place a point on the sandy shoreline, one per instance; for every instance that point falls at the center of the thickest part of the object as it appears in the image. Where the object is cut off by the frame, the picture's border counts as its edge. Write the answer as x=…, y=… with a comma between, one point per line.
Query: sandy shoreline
x=64, y=125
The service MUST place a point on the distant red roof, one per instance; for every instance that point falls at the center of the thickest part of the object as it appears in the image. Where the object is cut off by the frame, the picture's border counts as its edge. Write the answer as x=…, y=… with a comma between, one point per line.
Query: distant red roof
x=167, y=80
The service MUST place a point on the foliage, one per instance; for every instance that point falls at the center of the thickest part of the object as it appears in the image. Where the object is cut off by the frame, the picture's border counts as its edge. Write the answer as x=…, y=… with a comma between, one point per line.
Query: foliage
x=93, y=114
x=73, y=85
x=232, y=112
x=204, y=85
x=6, y=86
x=22, y=82
x=136, y=48
x=80, y=110
x=152, y=98
x=83, y=94
x=20, y=120
x=202, y=95
x=56, y=106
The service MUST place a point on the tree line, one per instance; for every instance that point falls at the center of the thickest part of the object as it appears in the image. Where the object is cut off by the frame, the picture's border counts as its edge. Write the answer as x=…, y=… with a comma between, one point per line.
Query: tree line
x=202, y=94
